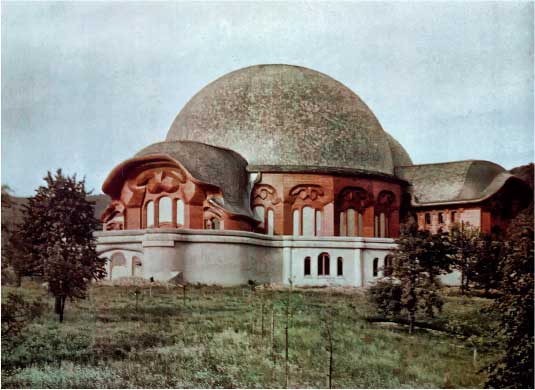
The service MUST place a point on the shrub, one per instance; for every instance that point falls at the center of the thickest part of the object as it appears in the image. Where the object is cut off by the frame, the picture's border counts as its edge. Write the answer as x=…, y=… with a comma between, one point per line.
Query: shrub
x=385, y=295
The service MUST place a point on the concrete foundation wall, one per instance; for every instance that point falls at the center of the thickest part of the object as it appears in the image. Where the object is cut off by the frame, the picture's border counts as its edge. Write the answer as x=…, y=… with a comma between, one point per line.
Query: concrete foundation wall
x=234, y=257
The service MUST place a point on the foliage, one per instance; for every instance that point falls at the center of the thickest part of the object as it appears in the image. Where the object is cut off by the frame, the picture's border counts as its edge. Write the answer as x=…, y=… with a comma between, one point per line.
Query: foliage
x=414, y=286
x=58, y=231
x=486, y=270
x=209, y=343
x=464, y=241
x=385, y=294
x=13, y=259
x=515, y=308
x=16, y=314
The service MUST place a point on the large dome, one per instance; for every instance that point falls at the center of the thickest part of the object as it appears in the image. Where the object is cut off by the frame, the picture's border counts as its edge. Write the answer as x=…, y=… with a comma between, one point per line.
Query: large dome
x=282, y=115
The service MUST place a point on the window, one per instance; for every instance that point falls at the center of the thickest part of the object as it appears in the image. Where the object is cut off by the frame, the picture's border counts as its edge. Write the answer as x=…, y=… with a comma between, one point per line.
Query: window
x=180, y=212
x=307, y=266
x=388, y=266
x=340, y=267
x=427, y=218
x=375, y=267
x=308, y=221
x=318, y=222
x=150, y=214
x=323, y=264
x=215, y=223
x=382, y=224
x=342, y=223
x=350, y=222
x=270, y=222
x=260, y=214
x=359, y=225
x=296, y=223
x=453, y=215
x=165, y=211
x=117, y=260
x=212, y=224
x=440, y=218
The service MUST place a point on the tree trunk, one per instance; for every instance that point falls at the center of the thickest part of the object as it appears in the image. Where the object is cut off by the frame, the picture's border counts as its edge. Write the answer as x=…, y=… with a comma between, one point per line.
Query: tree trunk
x=287, y=367
x=62, y=308
x=412, y=318
x=262, y=316
x=57, y=305
x=273, y=333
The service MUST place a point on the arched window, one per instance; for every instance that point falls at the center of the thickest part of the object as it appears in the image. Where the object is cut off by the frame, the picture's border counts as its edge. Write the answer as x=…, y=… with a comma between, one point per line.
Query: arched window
x=427, y=218
x=296, y=223
x=117, y=260
x=382, y=224
x=359, y=225
x=318, y=222
x=323, y=264
x=270, y=222
x=259, y=213
x=340, y=267
x=215, y=223
x=165, y=210
x=307, y=266
x=342, y=223
x=180, y=212
x=440, y=218
x=350, y=222
x=388, y=266
x=375, y=267
x=308, y=221
x=150, y=214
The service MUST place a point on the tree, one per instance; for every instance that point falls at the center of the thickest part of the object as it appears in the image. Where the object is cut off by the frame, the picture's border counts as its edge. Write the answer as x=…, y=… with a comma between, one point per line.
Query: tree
x=58, y=231
x=464, y=242
x=419, y=258
x=12, y=258
x=486, y=270
x=514, y=369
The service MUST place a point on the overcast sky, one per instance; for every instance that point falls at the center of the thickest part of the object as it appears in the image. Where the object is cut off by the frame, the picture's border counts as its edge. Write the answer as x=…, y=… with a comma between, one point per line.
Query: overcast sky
x=86, y=85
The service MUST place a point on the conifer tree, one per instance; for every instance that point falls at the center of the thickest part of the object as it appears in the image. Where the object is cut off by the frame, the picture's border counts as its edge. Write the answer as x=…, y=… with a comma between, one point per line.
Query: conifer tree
x=58, y=231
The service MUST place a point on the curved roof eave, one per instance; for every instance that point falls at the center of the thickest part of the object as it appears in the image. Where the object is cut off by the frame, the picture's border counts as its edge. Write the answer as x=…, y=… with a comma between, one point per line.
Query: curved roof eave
x=119, y=170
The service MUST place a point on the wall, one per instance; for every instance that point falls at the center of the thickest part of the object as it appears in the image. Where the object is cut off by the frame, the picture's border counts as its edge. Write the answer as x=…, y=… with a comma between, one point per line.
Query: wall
x=233, y=257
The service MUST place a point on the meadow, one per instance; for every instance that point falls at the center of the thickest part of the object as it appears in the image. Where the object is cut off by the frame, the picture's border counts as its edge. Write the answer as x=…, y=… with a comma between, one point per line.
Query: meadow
x=217, y=337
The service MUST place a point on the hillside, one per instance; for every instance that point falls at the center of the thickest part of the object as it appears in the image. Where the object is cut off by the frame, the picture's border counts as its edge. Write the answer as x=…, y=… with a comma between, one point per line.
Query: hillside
x=12, y=216
x=525, y=172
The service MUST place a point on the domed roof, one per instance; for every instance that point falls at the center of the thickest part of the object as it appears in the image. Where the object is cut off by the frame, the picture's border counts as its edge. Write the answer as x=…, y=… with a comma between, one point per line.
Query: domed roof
x=282, y=115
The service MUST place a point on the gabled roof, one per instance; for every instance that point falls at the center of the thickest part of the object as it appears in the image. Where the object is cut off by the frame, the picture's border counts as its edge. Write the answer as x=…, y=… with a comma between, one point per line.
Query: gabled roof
x=219, y=167
x=455, y=182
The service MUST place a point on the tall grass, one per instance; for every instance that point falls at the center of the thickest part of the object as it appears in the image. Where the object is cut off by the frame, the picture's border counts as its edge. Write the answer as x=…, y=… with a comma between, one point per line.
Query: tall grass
x=215, y=339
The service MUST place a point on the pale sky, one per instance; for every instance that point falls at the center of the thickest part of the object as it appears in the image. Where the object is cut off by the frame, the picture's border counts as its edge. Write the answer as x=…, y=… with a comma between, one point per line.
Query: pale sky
x=87, y=85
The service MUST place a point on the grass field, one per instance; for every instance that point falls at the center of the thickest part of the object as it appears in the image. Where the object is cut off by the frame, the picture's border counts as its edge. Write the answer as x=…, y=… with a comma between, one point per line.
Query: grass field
x=214, y=339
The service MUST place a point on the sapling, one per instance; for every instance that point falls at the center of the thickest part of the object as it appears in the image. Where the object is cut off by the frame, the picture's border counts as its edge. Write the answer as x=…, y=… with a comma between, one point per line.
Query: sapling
x=288, y=302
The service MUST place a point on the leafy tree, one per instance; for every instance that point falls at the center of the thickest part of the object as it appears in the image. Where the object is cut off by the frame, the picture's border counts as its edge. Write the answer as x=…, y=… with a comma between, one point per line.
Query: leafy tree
x=11, y=257
x=414, y=286
x=58, y=230
x=464, y=245
x=486, y=270
x=16, y=314
x=514, y=307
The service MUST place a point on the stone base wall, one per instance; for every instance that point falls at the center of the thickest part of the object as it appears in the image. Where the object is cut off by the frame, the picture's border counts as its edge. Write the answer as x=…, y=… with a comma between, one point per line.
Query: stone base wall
x=235, y=257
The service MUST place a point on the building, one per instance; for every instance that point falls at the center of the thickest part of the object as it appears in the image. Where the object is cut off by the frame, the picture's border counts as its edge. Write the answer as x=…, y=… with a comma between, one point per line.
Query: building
x=275, y=172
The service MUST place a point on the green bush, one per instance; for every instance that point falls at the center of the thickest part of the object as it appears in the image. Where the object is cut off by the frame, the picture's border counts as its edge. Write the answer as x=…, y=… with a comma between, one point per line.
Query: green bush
x=385, y=295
